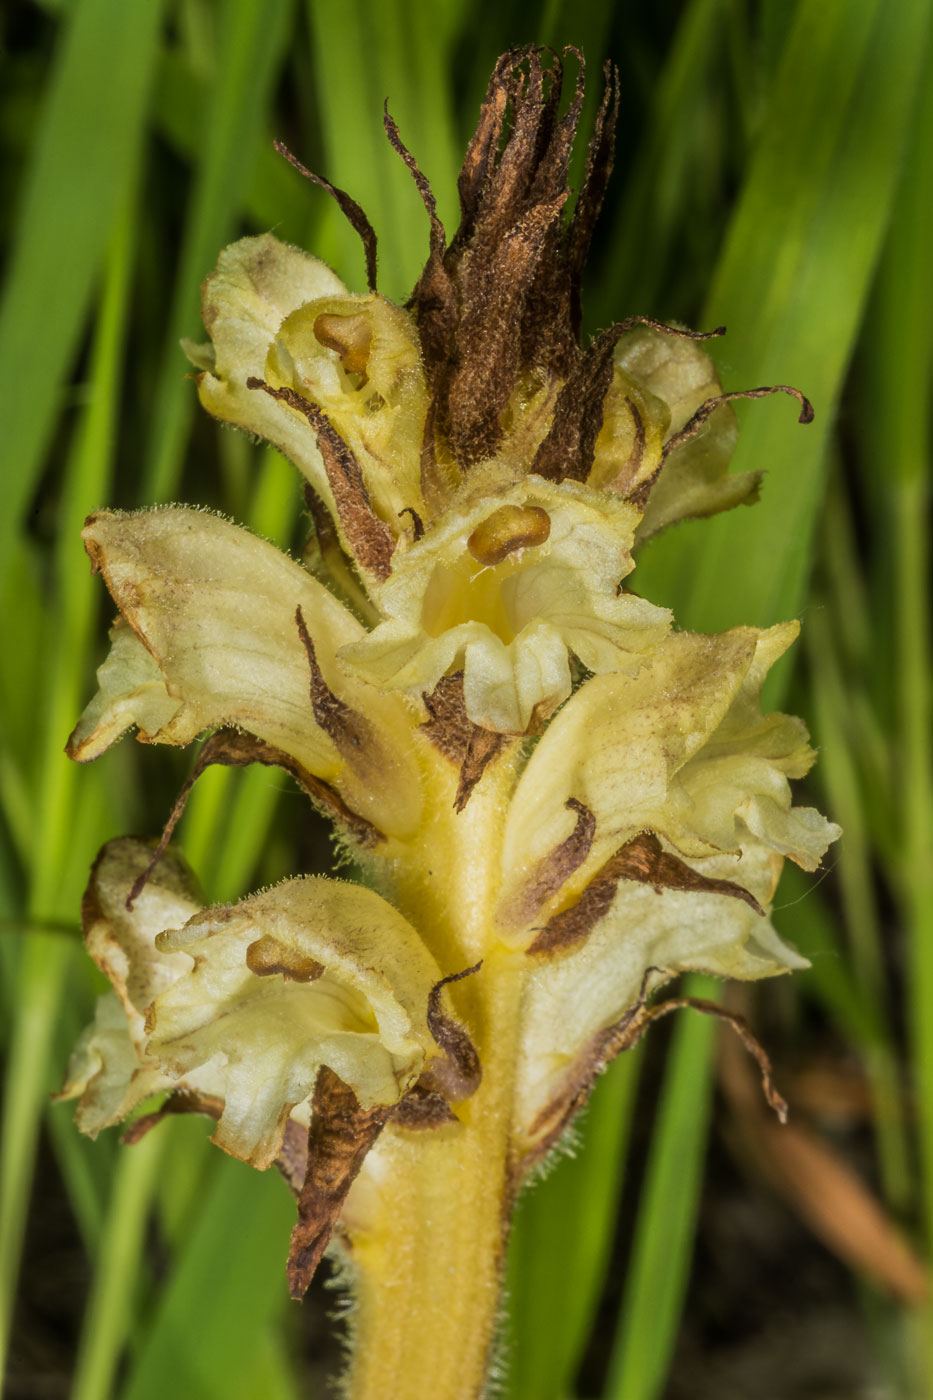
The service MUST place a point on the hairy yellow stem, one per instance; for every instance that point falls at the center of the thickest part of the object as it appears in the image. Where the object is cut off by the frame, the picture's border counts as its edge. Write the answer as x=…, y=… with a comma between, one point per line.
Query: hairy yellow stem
x=429, y=1252
x=430, y=1262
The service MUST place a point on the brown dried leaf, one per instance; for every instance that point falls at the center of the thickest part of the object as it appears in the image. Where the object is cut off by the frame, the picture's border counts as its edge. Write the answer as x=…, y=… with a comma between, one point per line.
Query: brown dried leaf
x=422, y=1109
x=505, y=294
x=487, y=350
x=625, y=1033
x=484, y=746
x=589, y=201
x=339, y=1138
x=824, y=1190
x=703, y=412
x=181, y=1101
x=448, y=727
x=555, y=1117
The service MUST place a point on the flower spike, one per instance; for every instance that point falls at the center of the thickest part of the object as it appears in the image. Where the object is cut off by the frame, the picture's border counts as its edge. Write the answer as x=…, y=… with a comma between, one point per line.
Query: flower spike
x=553, y=802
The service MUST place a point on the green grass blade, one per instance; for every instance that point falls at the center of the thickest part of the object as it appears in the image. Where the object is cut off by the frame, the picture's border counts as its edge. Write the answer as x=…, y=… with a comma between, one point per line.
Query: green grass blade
x=897, y=465
x=901, y=367
x=802, y=917
x=251, y=42
x=356, y=70
x=87, y=1170
x=227, y=1285
x=272, y=198
x=47, y=958
x=117, y=1272
x=561, y=1241
x=839, y=774
x=268, y=1373
x=791, y=287
x=638, y=250
x=85, y=159
x=185, y=1178
x=661, y=1253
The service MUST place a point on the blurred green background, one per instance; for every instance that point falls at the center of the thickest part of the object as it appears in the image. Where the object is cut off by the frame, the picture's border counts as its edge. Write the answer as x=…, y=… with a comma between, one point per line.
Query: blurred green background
x=774, y=171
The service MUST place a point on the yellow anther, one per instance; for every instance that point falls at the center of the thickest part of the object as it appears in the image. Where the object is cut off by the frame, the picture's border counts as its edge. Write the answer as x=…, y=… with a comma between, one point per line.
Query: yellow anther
x=350, y=336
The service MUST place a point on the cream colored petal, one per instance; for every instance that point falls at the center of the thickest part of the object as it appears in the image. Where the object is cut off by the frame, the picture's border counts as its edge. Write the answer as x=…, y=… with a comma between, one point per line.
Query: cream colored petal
x=256, y=284
x=616, y=746
x=512, y=623
x=109, y=1071
x=359, y=359
x=105, y=1072
x=740, y=778
x=802, y=833
x=571, y=999
x=216, y=608
x=628, y=448
x=681, y=750
x=310, y=973
x=503, y=684
x=782, y=739
x=604, y=632
x=132, y=693
x=695, y=479
x=123, y=941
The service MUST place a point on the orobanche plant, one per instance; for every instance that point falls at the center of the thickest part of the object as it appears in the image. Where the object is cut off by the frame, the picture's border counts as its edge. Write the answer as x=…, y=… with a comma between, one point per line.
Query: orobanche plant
x=557, y=801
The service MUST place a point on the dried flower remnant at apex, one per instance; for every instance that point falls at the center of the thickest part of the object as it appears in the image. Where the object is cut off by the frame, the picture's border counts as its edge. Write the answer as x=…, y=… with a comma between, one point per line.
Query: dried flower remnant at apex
x=479, y=480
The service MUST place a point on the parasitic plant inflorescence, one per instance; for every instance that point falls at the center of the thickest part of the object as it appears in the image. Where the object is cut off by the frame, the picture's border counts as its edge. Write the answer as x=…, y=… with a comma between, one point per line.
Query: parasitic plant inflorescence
x=558, y=801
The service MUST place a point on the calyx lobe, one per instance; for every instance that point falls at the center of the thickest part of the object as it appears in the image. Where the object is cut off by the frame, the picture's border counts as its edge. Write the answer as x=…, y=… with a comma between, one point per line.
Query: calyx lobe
x=642, y=859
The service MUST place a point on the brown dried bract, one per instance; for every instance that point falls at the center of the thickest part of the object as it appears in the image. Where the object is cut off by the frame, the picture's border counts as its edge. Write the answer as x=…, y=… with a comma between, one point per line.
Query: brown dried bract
x=448, y=727
x=451, y=730
x=339, y=1138
x=555, y=868
x=567, y=451
x=417, y=524
x=352, y=733
x=352, y=211
x=458, y=1075
x=235, y=748
x=484, y=746
x=370, y=538
x=292, y=1161
x=623, y=1034
x=505, y=293
x=742, y=1029
x=423, y=1109
x=641, y=859
x=694, y=424
x=180, y=1101
x=550, y=1124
